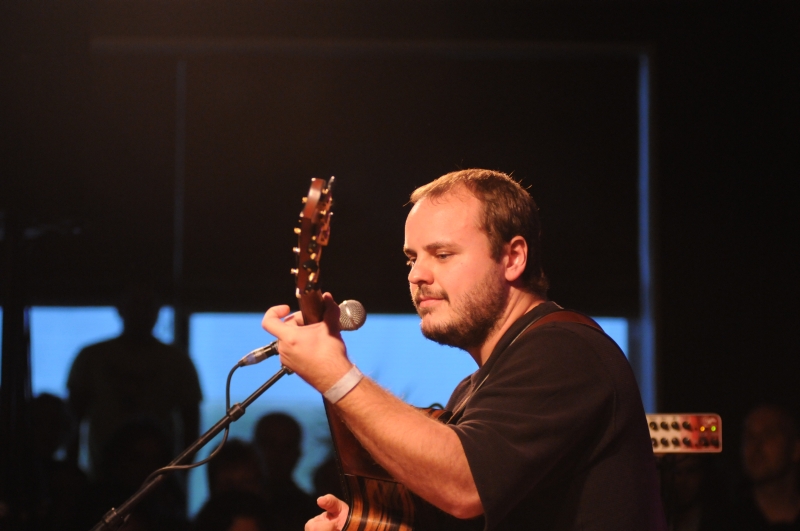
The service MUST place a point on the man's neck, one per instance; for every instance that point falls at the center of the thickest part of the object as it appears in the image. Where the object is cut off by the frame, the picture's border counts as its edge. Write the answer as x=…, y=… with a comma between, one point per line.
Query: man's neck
x=136, y=337
x=519, y=303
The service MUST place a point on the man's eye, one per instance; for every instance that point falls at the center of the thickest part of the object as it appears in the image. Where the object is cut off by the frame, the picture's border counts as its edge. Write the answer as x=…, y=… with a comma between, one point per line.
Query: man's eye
x=410, y=262
x=442, y=256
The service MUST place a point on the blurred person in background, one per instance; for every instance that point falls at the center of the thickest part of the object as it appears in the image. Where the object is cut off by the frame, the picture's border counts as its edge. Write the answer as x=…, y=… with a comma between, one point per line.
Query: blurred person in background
x=128, y=458
x=134, y=377
x=770, y=460
x=234, y=511
x=278, y=437
x=61, y=484
x=694, y=493
x=236, y=468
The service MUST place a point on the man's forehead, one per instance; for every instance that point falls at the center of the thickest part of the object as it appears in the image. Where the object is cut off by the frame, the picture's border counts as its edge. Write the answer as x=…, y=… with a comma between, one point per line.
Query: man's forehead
x=455, y=200
x=451, y=220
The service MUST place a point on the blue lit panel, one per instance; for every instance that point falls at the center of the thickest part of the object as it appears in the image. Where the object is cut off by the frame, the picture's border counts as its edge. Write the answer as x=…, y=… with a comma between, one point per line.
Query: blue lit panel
x=59, y=333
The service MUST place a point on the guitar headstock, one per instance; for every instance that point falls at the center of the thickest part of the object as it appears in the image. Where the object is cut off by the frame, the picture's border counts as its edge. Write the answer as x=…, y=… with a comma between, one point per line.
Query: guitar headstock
x=313, y=234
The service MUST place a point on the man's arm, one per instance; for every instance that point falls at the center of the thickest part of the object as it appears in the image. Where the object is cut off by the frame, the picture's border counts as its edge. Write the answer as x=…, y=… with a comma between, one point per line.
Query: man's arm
x=77, y=406
x=190, y=424
x=421, y=453
x=78, y=402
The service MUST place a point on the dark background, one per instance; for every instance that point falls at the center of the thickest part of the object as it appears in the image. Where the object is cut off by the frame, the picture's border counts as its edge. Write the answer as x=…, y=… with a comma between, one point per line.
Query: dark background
x=544, y=90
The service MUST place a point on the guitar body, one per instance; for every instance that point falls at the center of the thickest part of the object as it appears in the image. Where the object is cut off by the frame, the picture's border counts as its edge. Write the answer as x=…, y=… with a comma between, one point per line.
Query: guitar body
x=377, y=502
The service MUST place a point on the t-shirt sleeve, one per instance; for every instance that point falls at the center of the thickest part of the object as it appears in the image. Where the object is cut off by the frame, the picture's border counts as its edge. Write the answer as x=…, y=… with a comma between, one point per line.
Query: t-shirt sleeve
x=526, y=426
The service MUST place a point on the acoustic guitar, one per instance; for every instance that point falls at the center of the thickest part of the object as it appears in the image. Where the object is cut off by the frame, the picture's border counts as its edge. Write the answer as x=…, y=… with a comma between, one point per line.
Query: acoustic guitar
x=377, y=502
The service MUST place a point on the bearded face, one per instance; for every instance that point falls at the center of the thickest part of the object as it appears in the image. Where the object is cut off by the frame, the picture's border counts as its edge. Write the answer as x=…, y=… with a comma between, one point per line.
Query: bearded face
x=472, y=317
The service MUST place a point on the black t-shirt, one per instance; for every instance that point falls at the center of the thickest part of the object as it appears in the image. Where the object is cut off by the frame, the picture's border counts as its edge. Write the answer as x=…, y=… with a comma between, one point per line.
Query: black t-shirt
x=555, y=435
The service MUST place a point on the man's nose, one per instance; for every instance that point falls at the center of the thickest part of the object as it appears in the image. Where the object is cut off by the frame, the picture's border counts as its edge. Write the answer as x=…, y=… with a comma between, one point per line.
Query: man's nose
x=420, y=273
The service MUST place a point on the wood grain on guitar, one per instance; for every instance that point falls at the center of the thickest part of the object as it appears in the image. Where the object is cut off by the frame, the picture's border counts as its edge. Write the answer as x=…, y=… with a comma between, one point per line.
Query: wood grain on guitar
x=377, y=502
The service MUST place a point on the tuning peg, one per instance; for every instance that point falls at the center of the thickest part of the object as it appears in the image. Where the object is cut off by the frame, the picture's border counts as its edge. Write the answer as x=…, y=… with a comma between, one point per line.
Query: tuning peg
x=294, y=271
x=305, y=200
x=312, y=276
x=296, y=250
x=297, y=230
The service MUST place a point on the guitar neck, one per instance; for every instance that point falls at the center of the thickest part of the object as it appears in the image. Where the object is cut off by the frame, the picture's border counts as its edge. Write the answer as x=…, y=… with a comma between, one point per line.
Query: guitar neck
x=311, y=306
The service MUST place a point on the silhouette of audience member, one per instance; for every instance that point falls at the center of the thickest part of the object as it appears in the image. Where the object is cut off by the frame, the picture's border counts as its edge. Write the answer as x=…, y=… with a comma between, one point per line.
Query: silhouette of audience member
x=134, y=377
x=770, y=459
x=128, y=458
x=278, y=438
x=233, y=511
x=327, y=480
x=695, y=496
x=236, y=468
x=61, y=484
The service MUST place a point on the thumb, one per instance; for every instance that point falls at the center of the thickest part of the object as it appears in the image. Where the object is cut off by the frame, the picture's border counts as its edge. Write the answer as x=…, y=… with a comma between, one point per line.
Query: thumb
x=330, y=504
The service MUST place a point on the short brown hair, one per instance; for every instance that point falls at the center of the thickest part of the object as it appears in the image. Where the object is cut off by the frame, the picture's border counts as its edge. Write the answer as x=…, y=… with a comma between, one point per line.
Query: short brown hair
x=508, y=211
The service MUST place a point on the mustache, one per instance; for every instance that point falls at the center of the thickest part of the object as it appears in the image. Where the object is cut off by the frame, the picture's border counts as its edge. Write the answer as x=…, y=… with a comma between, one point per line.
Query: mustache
x=425, y=291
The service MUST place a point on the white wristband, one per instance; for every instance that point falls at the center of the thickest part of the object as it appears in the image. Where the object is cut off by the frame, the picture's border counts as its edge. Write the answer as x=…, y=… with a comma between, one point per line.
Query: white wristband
x=345, y=384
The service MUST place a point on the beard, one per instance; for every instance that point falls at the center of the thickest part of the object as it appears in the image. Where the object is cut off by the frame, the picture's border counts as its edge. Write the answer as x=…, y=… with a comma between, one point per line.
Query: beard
x=475, y=316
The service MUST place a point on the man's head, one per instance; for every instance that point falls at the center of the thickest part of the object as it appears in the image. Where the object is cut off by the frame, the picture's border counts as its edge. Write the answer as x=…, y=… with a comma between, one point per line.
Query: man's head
x=279, y=437
x=770, y=444
x=466, y=256
x=237, y=467
x=138, y=308
x=508, y=210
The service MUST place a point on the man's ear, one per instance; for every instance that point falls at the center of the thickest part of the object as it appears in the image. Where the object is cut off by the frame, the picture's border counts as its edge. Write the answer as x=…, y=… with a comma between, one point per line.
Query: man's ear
x=515, y=258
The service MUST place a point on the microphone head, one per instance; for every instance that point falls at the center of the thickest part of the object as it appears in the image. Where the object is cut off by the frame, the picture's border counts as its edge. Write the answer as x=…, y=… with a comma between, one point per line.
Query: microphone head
x=353, y=315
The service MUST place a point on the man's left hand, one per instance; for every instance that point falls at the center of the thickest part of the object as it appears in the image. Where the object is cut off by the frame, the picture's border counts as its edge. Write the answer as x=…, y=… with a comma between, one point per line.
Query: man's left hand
x=315, y=352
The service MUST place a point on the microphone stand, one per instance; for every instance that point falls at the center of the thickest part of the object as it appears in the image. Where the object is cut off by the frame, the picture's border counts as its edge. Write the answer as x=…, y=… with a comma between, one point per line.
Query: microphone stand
x=115, y=518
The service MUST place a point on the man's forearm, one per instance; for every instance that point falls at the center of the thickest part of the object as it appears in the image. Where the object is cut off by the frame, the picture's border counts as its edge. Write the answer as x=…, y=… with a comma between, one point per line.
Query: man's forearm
x=421, y=453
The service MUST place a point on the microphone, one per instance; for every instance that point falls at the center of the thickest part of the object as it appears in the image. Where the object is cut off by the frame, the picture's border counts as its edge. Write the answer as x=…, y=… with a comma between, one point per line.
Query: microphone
x=353, y=316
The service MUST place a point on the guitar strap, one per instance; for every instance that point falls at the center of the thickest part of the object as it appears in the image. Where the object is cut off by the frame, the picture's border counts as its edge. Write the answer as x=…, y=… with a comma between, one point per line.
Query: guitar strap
x=559, y=316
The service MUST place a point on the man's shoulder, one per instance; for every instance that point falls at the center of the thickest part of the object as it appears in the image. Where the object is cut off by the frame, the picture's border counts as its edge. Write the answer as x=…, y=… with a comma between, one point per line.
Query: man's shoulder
x=99, y=348
x=565, y=334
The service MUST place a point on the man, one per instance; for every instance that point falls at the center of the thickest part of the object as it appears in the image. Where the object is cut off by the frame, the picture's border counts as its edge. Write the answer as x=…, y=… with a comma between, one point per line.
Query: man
x=278, y=437
x=131, y=378
x=771, y=459
x=549, y=433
